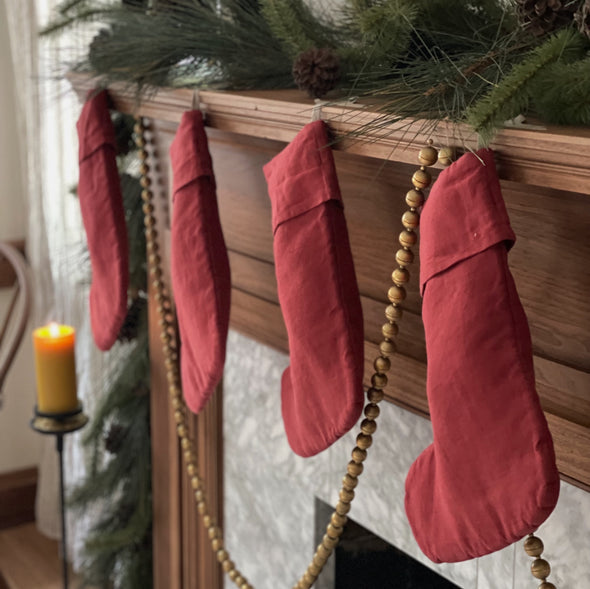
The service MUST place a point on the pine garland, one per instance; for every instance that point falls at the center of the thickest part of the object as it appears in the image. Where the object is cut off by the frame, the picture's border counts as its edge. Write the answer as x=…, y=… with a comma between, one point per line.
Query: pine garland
x=512, y=95
x=561, y=93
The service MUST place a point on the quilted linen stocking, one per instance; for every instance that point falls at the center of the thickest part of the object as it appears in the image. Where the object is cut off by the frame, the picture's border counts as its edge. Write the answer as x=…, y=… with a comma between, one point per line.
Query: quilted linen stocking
x=101, y=203
x=490, y=477
x=199, y=264
x=322, y=392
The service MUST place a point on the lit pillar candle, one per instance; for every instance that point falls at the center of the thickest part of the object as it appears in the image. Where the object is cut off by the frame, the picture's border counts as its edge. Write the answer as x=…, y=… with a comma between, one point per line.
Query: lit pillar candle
x=56, y=368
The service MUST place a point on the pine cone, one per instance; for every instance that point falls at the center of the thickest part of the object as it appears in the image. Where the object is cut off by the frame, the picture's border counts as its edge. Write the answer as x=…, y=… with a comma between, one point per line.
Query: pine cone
x=114, y=438
x=316, y=71
x=582, y=18
x=544, y=16
x=130, y=327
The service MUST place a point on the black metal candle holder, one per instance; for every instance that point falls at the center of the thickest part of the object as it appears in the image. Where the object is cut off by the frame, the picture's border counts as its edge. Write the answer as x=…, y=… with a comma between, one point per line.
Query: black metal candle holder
x=58, y=425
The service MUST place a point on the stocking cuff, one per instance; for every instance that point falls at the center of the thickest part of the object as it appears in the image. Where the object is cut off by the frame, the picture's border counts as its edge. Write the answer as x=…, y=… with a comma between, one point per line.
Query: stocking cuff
x=189, y=152
x=476, y=220
x=296, y=171
x=94, y=125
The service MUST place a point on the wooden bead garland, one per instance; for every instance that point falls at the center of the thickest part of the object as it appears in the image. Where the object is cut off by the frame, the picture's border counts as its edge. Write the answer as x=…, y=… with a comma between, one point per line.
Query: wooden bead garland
x=397, y=293
x=540, y=568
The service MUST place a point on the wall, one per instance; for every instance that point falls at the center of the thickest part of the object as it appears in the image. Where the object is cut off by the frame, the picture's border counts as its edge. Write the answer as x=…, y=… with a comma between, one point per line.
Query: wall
x=269, y=492
x=19, y=445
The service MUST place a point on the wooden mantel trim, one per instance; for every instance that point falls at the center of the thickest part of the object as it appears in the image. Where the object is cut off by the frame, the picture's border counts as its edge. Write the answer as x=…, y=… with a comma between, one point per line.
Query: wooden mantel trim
x=554, y=157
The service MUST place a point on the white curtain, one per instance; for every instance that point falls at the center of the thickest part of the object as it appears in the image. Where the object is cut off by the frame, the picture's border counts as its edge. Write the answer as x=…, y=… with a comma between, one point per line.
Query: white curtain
x=48, y=113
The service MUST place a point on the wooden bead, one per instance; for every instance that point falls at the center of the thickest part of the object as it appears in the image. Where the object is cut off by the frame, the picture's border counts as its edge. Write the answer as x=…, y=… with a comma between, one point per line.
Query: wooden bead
x=181, y=431
x=338, y=520
x=140, y=142
x=314, y=568
x=176, y=403
x=428, y=156
x=387, y=347
x=540, y=568
x=233, y=574
x=179, y=417
x=144, y=169
x=228, y=566
x=410, y=220
x=349, y=482
x=372, y=411
x=323, y=551
x=354, y=468
x=346, y=495
x=191, y=469
x=145, y=182
x=393, y=313
x=148, y=208
x=207, y=521
x=408, y=238
x=364, y=441
x=189, y=457
x=368, y=427
x=389, y=331
x=213, y=532
x=217, y=544
x=342, y=508
x=547, y=585
x=222, y=555
x=421, y=179
x=378, y=380
x=400, y=276
x=375, y=395
x=195, y=483
x=404, y=257
x=414, y=198
x=533, y=546
x=396, y=294
x=308, y=578
x=319, y=559
x=239, y=580
x=201, y=507
x=334, y=531
x=446, y=156
x=358, y=455
x=199, y=496
x=382, y=364
x=143, y=155
x=329, y=542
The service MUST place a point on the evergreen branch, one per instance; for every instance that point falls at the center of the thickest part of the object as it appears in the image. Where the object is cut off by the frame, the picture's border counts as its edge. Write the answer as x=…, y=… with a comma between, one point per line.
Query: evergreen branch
x=293, y=23
x=561, y=93
x=512, y=95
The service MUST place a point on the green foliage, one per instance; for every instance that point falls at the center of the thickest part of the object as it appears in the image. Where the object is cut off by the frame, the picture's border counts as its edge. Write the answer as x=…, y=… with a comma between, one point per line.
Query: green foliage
x=294, y=24
x=439, y=60
x=513, y=94
x=117, y=551
x=560, y=93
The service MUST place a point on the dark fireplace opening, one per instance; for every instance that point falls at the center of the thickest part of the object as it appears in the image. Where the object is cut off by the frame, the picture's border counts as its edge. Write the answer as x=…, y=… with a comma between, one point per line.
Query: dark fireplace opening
x=362, y=560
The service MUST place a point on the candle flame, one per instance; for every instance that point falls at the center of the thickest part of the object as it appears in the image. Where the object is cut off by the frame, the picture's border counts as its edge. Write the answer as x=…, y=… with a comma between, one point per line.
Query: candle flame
x=54, y=329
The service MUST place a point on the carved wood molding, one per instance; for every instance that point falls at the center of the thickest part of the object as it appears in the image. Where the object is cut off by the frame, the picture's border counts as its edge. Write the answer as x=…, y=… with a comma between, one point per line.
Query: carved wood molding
x=554, y=157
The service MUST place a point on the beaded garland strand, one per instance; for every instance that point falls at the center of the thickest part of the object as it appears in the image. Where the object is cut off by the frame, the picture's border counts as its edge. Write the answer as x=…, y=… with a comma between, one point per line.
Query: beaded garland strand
x=408, y=238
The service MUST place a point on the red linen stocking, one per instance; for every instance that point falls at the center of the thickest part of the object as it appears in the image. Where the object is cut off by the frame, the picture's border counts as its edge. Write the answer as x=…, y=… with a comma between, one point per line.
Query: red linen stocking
x=199, y=264
x=322, y=392
x=490, y=477
x=101, y=203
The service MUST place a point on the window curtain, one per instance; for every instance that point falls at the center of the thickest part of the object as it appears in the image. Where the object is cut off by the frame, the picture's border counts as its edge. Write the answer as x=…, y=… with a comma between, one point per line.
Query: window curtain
x=48, y=110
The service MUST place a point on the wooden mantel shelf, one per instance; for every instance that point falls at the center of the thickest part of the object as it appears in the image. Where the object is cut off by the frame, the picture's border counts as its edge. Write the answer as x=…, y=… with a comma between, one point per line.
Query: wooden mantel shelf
x=554, y=157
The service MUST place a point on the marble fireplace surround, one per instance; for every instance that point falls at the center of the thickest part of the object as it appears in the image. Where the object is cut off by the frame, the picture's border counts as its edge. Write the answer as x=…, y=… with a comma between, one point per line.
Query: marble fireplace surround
x=270, y=492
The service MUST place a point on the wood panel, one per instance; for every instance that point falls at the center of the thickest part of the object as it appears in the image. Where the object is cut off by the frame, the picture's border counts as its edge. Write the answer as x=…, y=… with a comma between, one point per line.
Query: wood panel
x=551, y=156
x=17, y=497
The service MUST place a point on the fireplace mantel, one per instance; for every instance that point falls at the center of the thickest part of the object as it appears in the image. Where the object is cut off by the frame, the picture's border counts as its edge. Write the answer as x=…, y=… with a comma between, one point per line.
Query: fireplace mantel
x=546, y=185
